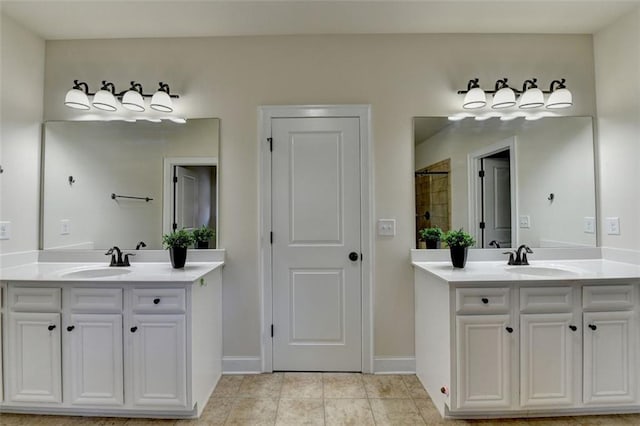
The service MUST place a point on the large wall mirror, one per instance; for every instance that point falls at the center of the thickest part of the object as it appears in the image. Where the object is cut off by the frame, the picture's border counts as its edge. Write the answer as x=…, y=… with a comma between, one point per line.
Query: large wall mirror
x=120, y=183
x=507, y=182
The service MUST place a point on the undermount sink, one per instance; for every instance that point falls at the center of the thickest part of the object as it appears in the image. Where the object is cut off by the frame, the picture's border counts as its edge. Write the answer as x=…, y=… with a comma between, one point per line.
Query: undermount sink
x=96, y=273
x=542, y=271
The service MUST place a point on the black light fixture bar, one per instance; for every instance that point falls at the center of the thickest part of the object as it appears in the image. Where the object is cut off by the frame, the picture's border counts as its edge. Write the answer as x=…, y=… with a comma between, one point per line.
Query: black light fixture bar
x=107, y=85
x=528, y=84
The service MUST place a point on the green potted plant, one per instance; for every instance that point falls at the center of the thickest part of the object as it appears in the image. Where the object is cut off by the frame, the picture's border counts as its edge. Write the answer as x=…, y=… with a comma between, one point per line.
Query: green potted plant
x=202, y=236
x=458, y=242
x=177, y=243
x=431, y=236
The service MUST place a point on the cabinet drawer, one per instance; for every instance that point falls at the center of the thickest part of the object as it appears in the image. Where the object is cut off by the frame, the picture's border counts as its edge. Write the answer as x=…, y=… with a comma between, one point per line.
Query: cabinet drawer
x=482, y=300
x=608, y=297
x=164, y=300
x=95, y=300
x=546, y=299
x=34, y=299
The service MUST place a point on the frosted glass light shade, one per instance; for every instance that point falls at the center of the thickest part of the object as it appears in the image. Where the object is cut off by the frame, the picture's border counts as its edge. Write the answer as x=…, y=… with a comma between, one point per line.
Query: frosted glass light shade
x=104, y=100
x=132, y=100
x=475, y=98
x=161, y=101
x=560, y=98
x=532, y=98
x=77, y=99
x=504, y=98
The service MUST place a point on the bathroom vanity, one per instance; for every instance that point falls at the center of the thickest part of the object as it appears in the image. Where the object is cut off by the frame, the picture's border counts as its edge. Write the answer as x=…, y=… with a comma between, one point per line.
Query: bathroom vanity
x=552, y=338
x=86, y=339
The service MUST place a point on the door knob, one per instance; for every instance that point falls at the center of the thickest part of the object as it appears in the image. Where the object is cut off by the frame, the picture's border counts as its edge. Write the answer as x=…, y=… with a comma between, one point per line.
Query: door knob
x=353, y=256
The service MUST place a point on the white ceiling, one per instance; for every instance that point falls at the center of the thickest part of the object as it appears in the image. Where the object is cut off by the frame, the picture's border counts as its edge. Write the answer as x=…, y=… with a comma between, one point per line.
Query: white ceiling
x=89, y=19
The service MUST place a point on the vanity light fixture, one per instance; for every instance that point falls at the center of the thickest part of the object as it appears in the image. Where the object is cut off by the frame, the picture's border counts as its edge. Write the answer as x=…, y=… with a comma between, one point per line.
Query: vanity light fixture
x=107, y=97
x=532, y=97
x=560, y=97
x=504, y=96
x=474, y=96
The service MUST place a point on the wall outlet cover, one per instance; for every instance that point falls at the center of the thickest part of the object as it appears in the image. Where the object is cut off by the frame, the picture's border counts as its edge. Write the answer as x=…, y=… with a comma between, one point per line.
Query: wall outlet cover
x=65, y=227
x=612, y=225
x=5, y=230
x=589, y=225
x=524, y=221
x=387, y=227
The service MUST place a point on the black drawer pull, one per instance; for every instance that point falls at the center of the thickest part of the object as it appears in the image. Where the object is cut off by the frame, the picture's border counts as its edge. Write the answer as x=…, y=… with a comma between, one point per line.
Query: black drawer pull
x=156, y=301
x=593, y=327
x=51, y=327
x=573, y=327
x=509, y=329
x=485, y=300
x=134, y=329
x=70, y=328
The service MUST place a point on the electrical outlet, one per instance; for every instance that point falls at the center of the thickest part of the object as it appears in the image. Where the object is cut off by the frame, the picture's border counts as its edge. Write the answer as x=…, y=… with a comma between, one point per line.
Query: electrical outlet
x=613, y=225
x=5, y=230
x=65, y=227
x=387, y=227
x=590, y=225
x=525, y=221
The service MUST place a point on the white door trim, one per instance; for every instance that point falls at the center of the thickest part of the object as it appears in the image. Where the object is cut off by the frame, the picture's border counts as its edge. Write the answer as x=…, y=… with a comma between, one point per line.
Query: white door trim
x=363, y=113
x=167, y=186
x=474, y=202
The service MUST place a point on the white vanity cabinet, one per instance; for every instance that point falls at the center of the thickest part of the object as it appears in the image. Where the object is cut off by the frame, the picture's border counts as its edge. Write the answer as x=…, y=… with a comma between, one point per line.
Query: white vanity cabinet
x=528, y=346
x=100, y=348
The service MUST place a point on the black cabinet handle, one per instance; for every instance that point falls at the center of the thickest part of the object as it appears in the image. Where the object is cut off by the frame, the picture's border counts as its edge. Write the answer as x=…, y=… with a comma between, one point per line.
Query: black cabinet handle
x=133, y=329
x=573, y=327
x=71, y=327
x=156, y=301
x=51, y=327
x=353, y=256
x=485, y=300
x=593, y=327
x=509, y=329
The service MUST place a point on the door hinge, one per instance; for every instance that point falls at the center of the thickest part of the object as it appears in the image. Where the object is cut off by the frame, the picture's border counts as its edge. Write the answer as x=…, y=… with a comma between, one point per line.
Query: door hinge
x=271, y=330
x=174, y=226
x=270, y=140
x=482, y=225
x=481, y=173
x=175, y=179
x=271, y=237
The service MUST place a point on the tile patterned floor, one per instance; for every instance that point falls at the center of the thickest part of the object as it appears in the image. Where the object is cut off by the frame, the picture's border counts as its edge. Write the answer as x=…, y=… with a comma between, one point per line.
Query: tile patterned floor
x=295, y=399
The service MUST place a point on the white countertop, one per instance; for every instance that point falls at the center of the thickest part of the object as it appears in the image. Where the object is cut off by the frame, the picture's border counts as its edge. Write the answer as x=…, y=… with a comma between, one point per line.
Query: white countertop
x=567, y=270
x=156, y=272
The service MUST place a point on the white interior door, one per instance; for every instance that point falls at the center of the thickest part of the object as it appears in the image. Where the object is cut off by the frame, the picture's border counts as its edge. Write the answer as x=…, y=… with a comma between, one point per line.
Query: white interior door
x=496, y=201
x=316, y=226
x=186, y=198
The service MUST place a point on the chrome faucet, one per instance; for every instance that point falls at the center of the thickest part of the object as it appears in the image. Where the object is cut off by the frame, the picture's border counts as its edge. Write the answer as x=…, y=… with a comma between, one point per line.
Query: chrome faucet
x=520, y=255
x=116, y=257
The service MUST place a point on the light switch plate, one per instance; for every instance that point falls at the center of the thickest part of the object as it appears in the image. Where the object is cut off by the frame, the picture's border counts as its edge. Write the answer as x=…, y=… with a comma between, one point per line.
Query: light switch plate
x=65, y=227
x=612, y=225
x=5, y=230
x=590, y=225
x=525, y=221
x=387, y=227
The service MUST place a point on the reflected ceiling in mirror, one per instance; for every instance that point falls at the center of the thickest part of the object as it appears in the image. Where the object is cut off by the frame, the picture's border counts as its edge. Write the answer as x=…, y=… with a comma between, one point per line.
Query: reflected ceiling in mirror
x=507, y=182
x=90, y=168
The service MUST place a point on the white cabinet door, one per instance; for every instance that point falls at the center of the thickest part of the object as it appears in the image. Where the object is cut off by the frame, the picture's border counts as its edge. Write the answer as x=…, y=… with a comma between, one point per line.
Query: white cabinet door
x=609, y=357
x=94, y=360
x=34, y=357
x=484, y=368
x=547, y=343
x=158, y=368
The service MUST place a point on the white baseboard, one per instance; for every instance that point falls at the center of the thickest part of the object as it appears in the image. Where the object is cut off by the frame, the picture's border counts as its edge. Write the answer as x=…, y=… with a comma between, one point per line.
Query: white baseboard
x=394, y=365
x=241, y=365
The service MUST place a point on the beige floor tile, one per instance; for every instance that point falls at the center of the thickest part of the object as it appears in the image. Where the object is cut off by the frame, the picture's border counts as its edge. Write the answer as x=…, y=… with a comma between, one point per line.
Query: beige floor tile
x=414, y=387
x=343, y=385
x=395, y=412
x=607, y=420
x=228, y=386
x=257, y=410
x=13, y=419
x=215, y=413
x=429, y=412
x=385, y=386
x=150, y=422
x=351, y=412
x=302, y=385
x=261, y=386
x=306, y=411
